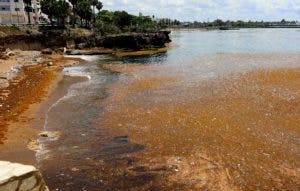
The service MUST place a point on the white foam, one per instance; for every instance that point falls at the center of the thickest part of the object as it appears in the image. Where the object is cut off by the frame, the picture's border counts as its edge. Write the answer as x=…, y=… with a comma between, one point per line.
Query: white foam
x=84, y=57
x=76, y=71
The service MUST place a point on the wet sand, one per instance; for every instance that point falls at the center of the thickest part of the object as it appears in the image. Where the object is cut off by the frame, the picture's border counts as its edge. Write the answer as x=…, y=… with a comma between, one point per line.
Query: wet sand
x=238, y=131
x=21, y=120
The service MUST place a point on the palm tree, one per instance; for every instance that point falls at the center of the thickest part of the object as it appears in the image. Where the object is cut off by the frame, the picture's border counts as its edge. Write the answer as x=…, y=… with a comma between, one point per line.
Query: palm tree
x=62, y=11
x=96, y=4
x=74, y=4
x=28, y=9
x=48, y=7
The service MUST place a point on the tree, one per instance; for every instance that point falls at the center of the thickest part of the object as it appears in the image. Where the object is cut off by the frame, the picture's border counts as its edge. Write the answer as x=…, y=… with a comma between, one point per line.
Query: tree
x=28, y=9
x=122, y=18
x=105, y=16
x=58, y=9
x=74, y=3
x=84, y=11
x=62, y=10
x=48, y=7
x=98, y=5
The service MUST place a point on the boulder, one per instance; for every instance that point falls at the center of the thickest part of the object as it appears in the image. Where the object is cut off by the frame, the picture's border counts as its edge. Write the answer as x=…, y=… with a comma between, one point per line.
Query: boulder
x=18, y=177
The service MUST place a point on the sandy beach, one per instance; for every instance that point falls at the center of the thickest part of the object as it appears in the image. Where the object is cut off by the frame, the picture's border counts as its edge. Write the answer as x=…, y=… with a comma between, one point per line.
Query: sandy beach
x=29, y=78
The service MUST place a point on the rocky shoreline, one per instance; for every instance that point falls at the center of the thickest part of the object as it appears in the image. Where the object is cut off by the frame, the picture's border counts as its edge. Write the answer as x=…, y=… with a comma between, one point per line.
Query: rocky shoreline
x=59, y=42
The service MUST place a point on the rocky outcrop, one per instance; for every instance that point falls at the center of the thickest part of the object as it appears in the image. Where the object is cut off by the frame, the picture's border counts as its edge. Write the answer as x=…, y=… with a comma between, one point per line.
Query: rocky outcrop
x=55, y=39
x=135, y=41
x=18, y=177
x=23, y=42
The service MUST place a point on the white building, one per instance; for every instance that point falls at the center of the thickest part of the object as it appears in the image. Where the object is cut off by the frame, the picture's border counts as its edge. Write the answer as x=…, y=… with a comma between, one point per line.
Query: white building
x=13, y=12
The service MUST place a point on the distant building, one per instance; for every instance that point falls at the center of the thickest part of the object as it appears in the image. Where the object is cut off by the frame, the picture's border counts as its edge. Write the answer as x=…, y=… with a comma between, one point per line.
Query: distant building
x=13, y=12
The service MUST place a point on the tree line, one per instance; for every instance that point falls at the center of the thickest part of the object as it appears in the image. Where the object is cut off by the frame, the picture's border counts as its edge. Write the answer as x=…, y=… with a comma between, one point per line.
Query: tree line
x=60, y=10
x=89, y=14
x=238, y=24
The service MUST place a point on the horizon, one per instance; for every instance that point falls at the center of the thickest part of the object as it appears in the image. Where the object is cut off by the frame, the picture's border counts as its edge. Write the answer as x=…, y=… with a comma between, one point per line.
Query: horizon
x=210, y=10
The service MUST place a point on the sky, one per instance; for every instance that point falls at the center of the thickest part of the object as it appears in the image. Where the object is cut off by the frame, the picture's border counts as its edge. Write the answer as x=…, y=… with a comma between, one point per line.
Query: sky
x=204, y=10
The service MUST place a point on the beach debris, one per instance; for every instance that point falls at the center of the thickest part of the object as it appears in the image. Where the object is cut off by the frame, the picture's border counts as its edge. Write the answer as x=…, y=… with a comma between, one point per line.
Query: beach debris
x=44, y=134
x=50, y=135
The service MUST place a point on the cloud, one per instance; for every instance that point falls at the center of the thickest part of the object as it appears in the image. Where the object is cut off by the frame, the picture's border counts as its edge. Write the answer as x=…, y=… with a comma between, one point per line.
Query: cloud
x=190, y=10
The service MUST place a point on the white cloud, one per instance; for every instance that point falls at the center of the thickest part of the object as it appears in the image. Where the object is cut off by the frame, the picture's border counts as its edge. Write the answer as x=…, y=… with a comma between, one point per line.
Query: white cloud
x=211, y=9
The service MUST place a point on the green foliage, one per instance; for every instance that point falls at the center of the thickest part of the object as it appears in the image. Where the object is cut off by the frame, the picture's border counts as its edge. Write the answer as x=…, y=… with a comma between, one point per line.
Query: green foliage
x=89, y=13
x=106, y=17
x=58, y=9
x=9, y=30
x=84, y=11
x=78, y=32
x=240, y=24
x=48, y=7
x=121, y=21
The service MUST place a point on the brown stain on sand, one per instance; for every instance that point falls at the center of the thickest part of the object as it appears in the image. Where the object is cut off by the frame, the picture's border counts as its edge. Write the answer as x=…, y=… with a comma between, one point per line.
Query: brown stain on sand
x=28, y=88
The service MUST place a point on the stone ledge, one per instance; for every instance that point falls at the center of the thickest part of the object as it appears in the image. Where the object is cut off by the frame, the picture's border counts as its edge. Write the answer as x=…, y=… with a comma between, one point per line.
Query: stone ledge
x=14, y=176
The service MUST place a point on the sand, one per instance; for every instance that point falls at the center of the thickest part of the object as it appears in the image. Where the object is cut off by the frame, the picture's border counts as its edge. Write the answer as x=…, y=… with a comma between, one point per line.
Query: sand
x=20, y=101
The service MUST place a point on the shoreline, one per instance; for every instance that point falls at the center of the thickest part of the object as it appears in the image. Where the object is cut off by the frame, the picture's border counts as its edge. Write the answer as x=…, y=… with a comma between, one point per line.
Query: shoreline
x=21, y=127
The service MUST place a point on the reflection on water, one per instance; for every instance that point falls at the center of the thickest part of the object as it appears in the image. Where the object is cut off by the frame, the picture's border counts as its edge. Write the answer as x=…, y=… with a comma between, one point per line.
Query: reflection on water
x=220, y=111
x=153, y=59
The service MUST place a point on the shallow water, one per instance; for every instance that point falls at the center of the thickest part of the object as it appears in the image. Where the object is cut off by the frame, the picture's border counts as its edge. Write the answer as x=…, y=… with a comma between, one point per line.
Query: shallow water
x=218, y=111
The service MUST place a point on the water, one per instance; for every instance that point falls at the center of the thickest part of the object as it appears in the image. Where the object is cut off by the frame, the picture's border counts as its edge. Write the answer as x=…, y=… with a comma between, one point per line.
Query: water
x=209, y=114
x=189, y=45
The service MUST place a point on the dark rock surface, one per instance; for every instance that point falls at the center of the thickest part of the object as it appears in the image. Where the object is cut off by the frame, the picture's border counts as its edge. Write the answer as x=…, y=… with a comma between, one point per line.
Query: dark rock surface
x=55, y=39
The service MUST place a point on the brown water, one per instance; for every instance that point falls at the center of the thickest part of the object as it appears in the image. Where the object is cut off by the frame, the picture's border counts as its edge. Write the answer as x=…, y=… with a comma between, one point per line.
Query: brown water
x=190, y=119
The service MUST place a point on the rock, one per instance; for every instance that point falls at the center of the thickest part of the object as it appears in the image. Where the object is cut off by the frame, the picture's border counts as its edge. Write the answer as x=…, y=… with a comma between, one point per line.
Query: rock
x=59, y=50
x=70, y=44
x=90, y=51
x=14, y=176
x=82, y=45
x=44, y=134
x=47, y=51
x=135, y=41
x=50, y=64
x=9, y=53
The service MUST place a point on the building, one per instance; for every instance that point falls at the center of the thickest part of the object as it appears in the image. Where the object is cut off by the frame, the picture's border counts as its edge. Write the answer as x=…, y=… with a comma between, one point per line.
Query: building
x=13, y=12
